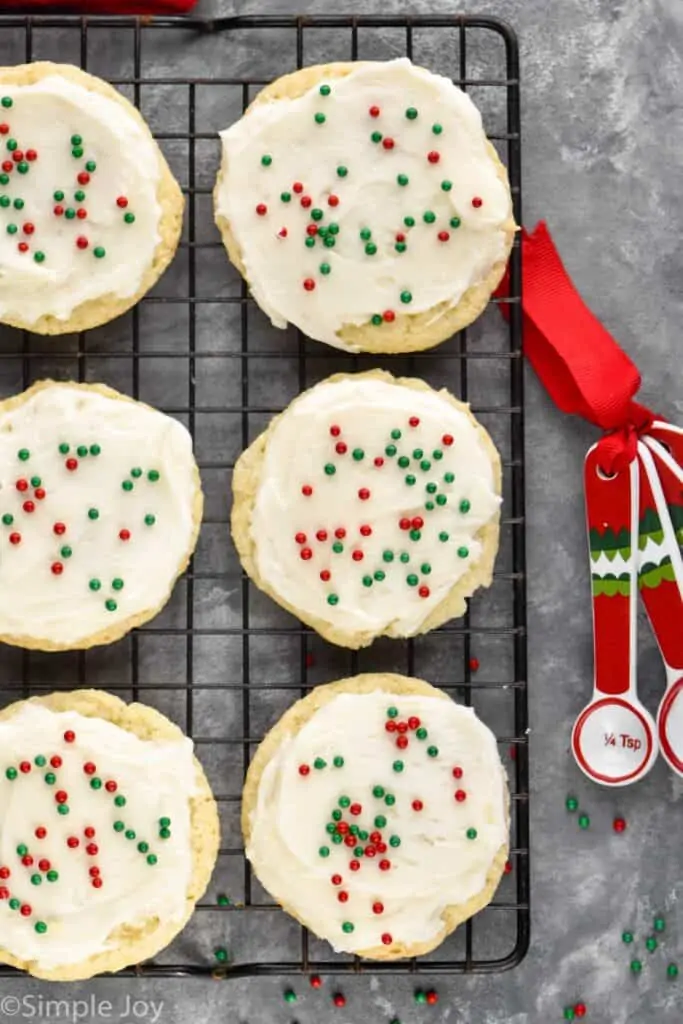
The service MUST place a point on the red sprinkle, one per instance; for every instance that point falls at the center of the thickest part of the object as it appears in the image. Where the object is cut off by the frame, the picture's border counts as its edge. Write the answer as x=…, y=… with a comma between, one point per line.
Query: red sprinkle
x=370, y=851
x=122, y=202
x=374, y=111
x=71, y=464
x=57, y=568
x=619, y=824
x=508, y=867
x=306, y=202
x=89, y=768
x=335, y=430
x=4, y=128
x=22, y=485
x=384, y=865
x=304, y=769
x=282, y=233
x=433, y=157
x=400, y=237
x=388, y=143
x=4, y=893
x=29, y=506
x=124, y=534
x=69, y=736
x=413, y=722
x=333, y=201
x=357, y=556
x=340, y=448
x=309, y=284
x=460, y=795
x=381, y=847
x=22, y=247
x=365, y=530
x=18, y=155
x=82, y=242
x=402, y=742
x=387, y=939
x=336, y=879
x=379, y=461
x=81, y=213
x=262, y=209
x=364, y=494
x=94, y=872
x=340, y=533
x=338, y=999
x=300, y=538
x=26, y=910
x=28, y=228
x=56, y=761
x=315, y=981
x=417, y=805
x=111, y=786
x=417, y=522
x=73, y=843
x=321, y=535
x=378, y=908
x=44, y=865
x=402, y=727
x=97, y=883
x=580, y=1010
x=306, y=554
x=297, y=187
x=443, y=236
x=59, y=529
x=432, y=997
x=58, y=210
x=423, y=591
x=40, y=833
x=457, y=773
x=342, y=896
x=447, y=440
x=27, y=861
x=312, y=229
x=39, y=493
x=92, y=849
x=307, y=490
x=354, y=865
x=390, y=726
x=349, y=840
x=389, y=316
x=5, y=872
x=355, y=809
x=31, y=154
x=343, y=828
x=25, y=767
x=474, y=664
x=404, y=523
x=7, y=166
x=15, y=538
x=325, y=575
x=83, y=178
x=61, y=796
x=477, y=202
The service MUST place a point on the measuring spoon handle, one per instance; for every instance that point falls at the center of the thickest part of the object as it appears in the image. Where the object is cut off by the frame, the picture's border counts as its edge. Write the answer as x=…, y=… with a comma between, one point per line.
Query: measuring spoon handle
x=660, y=567
x=612, y=521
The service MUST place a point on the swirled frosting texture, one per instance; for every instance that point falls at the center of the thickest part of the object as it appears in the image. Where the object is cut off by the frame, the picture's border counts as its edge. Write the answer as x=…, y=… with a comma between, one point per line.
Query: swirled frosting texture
x=414, y=860
x=386, y=172
x=98, y=498
x=155, y=779
x=376, y=545
x=79, y=212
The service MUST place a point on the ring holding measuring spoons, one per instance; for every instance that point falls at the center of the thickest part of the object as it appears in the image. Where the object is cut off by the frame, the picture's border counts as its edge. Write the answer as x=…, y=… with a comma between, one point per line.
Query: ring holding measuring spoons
x=614, y=738
x=661, y=588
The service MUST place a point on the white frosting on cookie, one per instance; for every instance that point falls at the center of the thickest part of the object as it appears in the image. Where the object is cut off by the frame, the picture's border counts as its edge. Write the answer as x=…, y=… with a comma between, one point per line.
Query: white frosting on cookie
x=95, y=534
x=295, y=532
x=52, y=257
x=156, y=780
x=434, y=864
x=437, y=171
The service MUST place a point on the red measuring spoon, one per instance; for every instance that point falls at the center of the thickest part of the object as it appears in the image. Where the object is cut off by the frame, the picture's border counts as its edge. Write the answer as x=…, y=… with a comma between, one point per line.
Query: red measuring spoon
x=661, y=581
x=613, y=739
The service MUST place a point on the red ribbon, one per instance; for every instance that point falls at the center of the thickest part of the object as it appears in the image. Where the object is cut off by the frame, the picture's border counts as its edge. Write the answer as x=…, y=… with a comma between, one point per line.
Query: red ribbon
x=580, y=364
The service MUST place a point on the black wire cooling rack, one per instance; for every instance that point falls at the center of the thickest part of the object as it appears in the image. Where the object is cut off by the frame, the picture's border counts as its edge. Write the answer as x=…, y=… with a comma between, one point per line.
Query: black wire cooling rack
x=222, y=660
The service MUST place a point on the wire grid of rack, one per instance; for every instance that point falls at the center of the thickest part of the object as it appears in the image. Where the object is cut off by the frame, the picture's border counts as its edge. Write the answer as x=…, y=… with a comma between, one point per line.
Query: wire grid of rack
x=222, y=660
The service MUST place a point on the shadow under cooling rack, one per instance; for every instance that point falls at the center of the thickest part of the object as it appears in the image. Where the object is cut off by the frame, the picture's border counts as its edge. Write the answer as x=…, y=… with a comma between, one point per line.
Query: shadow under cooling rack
x=222, y=660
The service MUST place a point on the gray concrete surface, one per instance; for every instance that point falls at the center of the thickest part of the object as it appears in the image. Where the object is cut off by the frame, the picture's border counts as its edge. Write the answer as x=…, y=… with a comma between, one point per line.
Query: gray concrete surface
x=603, y=163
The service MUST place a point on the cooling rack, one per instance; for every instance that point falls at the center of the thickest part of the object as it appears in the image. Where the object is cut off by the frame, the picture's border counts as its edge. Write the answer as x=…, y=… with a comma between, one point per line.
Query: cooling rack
x=222, y=660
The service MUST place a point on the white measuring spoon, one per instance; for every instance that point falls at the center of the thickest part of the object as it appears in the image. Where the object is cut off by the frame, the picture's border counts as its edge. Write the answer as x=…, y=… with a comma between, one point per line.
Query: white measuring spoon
x=614, y=739
x=661, y=486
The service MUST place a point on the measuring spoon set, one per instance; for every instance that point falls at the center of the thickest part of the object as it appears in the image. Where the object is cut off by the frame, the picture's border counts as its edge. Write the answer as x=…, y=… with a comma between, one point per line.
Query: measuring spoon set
x=633, y=517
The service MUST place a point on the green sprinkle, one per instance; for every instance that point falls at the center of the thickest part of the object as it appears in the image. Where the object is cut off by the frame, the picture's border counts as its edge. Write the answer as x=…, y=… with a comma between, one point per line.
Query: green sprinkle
x=50, y=778
x=289, y=996
x=96, y=783
x=77, y=152
x=651, y=944
x=342, y=171
x=266, y=160
x=52, y=876
x=404, y=461
x=379, y=575
x=432, y=751
x=449, y=478
x=11, y=229
x=325, y=90
x=358, y=850
x=14, y=904
x=165, y=822
x=165, y=833
x=376, y=136
x=22, y=850
x=69, y=213
x=367, y=581
x=659, y=924
x=98, y=252
x=437, y=129
x=127, y=485
x=378, y=791
x=110, y=605
x=330, y=469
x=129, y=218
x=223, y=900
x=425, y=465
x=421, y=733
x=136, y=472
x=412, y=580
x=388, y=556
x=285, y=196
x=443, y=536
x=437, y=454
x=417, y=453
x=11, y=774
x=402, y=179
x=392, y=712
x=22, y=167
x=8, y=519
x=93, y=513
x=150, y=520
x=40, y=761
x=91, y=166
x=39, y=257
x=221, y=954
x=319, y=118
x=328, y=242
x=332, y=599
x=338, y=761
x=404, y=557
x=377, y=320
x=64, y=449
x=425, y=568
x=119, y=826
x=62, y=809
x=446, y=186
x=465, y=506
x=463, y=552
x=41, y=927
x=5, y=201
x=82, y=451
x=94, y=584
x=415, y=534
x=636, y=966
x=455, y=222
x=316, y=214
x=429, y=217
x=410, y=479
x=117, y=583
x=79, y=196
x=627, y=937
x=411, y=113
x=398, y=766
x=380, y=821
x=18, y=204
x=358, y=454
x=400, y=247
x=58, y=196
x=394, y=841
x=320, y=763
x=471, y=833
x=406, y=297
x=7, y=102
x=370, y=249
x=672, y=971
x=143, y=847
x=325, y=268
x=348, y=927
x=390, y=799
x=431, y=488
x=130, y=834
x=441, y=499
x=12, y=145
x=309, y=242
x=337, y=547
x=584, y=821
x=344, y=801
x=76, y=140
x=337, y=815
x=66, y=551
x=153, y=476
x=409, y=222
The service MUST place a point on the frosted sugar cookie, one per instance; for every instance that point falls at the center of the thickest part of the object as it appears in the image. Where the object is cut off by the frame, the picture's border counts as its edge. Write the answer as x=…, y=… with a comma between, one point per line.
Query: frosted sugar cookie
x=100, y=508
x=108, y=834
x=370, y=507
x=363, y=204
x=90, y=214
x=376, y=812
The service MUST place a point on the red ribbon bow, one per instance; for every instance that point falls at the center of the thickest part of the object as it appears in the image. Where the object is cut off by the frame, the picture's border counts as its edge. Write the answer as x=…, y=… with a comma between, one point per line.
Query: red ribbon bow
x=580, y=364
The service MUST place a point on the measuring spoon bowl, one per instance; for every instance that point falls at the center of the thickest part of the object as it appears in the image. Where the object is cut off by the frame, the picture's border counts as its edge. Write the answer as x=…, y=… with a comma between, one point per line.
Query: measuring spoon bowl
x=615, y=740
x=670, y=725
